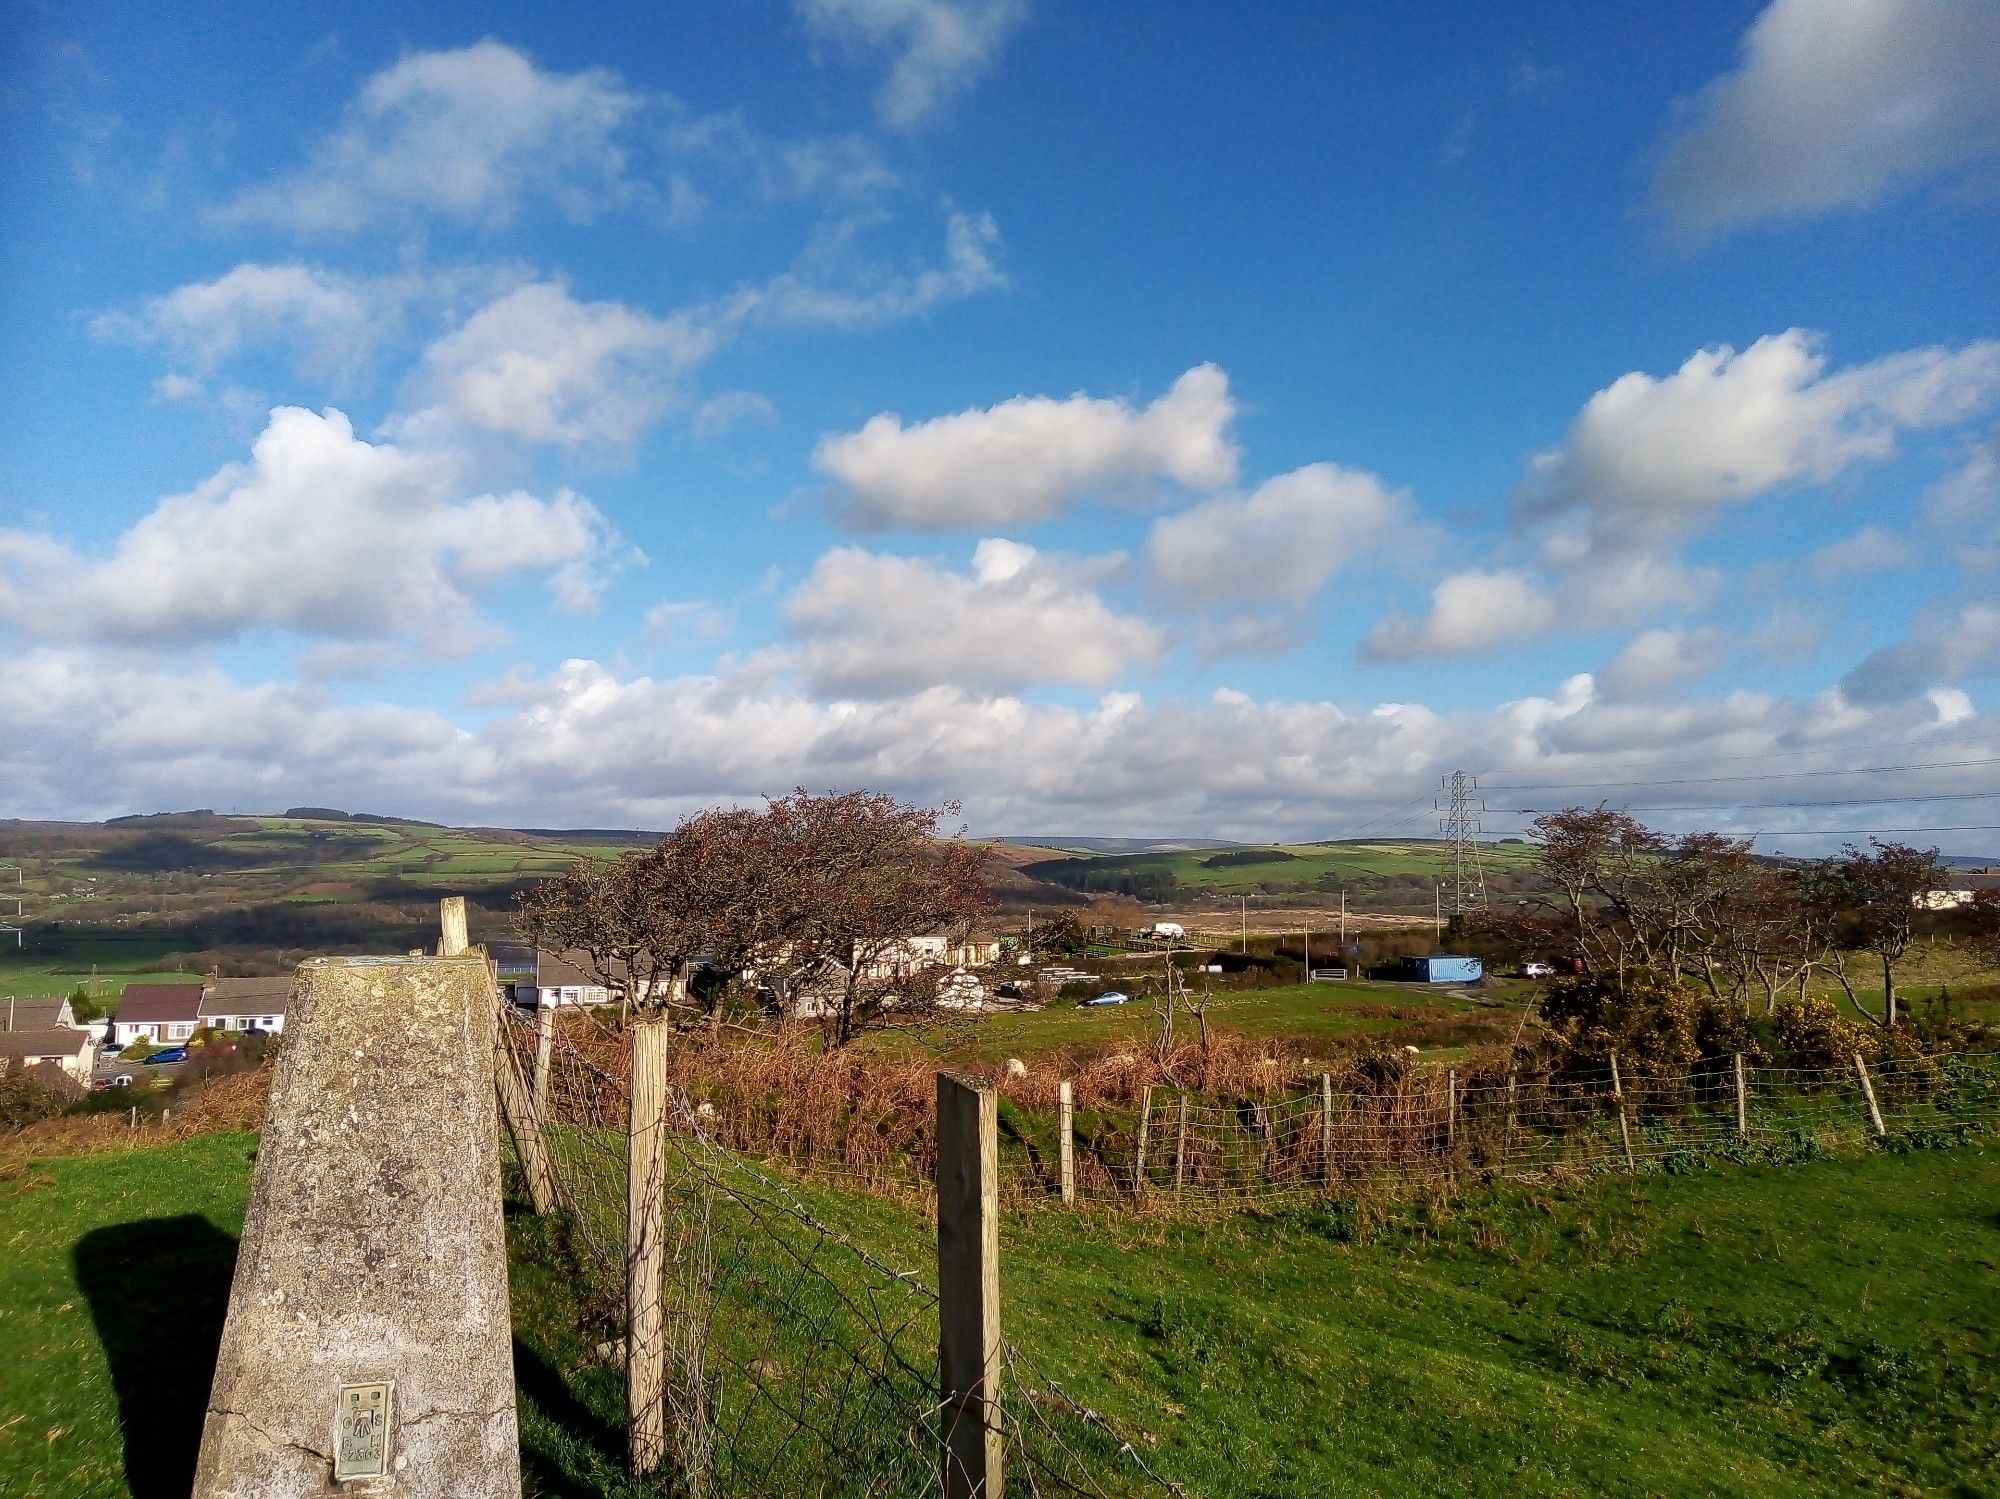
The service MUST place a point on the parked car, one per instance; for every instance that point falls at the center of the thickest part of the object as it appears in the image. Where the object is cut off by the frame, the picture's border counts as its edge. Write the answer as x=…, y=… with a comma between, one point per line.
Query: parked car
x=166, y=1058
x=1537, y=971
x=122, y=1080
x=1109, y=997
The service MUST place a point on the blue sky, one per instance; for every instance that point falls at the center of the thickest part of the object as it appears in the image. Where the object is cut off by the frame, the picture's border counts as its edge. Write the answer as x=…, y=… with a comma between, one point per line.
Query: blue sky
x=1163, y=419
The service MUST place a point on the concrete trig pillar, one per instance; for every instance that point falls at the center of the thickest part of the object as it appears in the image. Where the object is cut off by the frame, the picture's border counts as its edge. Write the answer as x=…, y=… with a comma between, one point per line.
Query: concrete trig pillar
x=368, y=1348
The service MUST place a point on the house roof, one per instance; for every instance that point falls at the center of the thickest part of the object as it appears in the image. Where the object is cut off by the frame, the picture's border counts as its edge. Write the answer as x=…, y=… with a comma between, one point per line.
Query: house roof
x=570, y=970
x=58, y=1041
x=252, y=996
x=31, y=1014
x=148, y=1002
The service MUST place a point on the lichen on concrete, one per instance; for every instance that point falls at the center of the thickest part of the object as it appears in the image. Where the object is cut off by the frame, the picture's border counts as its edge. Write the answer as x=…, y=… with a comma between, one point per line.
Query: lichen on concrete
x=373, y=1249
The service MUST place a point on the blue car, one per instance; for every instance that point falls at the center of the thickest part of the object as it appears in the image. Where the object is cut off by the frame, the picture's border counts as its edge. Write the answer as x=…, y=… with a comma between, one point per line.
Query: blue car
x=1108, y=997
x=165, y=1058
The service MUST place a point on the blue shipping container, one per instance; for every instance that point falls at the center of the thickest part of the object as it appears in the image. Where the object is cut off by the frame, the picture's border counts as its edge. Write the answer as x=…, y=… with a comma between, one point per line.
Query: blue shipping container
x=1444, y=969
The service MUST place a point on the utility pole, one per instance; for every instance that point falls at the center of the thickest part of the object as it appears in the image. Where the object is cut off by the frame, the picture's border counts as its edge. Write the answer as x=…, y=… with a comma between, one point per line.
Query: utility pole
x=1343, y=921
x=1459, y=809
x=1243, y=901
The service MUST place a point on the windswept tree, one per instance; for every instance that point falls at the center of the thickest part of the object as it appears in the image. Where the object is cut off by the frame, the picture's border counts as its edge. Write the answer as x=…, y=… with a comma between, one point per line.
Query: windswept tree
x=863, y=875
x=710, y=891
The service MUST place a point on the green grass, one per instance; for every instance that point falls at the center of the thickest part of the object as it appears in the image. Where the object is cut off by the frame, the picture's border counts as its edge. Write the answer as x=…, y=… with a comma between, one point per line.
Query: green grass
x=1742, y=1330
x=114, y=1272
x=1309, y=1012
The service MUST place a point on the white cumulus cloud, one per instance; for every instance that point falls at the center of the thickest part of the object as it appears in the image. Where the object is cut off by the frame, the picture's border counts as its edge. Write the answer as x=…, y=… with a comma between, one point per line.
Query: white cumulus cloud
x=1279, y=543
x=539, y=366
x=871, y=625
x=1025, y=459
x=1469, y=612
x=1657, y=661
x=1836, y=103
x=1650, y=460
x=464, y=134
x=320, y=533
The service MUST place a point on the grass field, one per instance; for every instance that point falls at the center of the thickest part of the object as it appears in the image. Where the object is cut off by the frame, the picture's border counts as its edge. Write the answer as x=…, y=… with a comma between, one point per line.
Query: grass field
x=1307, y=863
x=1305, y=1012
x=1746, y=1330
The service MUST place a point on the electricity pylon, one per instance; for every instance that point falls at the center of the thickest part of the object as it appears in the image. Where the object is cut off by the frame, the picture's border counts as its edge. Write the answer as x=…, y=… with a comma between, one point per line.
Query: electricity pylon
x=1459, y=808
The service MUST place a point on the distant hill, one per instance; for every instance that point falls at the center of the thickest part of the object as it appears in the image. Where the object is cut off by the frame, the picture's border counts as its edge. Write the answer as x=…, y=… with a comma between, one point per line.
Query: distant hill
x=1123, y=845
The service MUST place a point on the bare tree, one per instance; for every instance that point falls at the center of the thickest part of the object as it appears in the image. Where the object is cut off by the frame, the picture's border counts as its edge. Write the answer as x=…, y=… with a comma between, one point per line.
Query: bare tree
x=1880, y=895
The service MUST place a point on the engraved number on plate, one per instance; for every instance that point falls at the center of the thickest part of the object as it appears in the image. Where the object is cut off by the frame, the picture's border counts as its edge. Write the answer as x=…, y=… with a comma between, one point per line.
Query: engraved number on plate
x=361, y=1434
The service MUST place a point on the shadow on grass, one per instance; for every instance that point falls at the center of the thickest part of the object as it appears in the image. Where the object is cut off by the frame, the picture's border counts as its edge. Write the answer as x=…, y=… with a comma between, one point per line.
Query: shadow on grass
x=158, y=1292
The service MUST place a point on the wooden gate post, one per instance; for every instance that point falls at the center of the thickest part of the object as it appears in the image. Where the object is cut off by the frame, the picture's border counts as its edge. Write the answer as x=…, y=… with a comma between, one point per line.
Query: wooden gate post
x=1145, y=1127
x=968, y=1196
x=1742, y=1101
x=1066, y=1141
x=646, y=1245
x=1624, y=1124
x=1868, y=1091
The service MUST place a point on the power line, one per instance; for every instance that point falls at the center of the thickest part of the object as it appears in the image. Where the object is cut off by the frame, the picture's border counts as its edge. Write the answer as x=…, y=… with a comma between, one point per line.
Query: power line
x=1961, y=827
x=1773, y=775
x=1864, y=801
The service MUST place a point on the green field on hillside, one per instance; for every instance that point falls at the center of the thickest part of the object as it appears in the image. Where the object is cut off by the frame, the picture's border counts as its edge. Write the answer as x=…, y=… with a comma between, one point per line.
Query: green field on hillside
x=1744, y=1330
x=1305, y=864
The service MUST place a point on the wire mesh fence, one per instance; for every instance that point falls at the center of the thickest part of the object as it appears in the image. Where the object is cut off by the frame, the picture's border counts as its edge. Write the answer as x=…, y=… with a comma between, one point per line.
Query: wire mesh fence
x=793, y=1357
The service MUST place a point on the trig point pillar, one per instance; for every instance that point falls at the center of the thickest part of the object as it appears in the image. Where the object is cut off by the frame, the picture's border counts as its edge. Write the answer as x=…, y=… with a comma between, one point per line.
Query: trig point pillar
x=368, y=1349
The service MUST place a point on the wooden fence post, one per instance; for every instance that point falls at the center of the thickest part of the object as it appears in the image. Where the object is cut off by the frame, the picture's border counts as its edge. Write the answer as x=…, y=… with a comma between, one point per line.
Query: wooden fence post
x=1326, y=1129
x=1145, y=1125
x=646, y=1244
x=1450, y=1109
x=1066, y=1141
x=1868, y=1090
x=1180, y=1145
x=517, y=1109
x=452, y=937
x=545, y=1042
x=968, y=1196
x=1507, y=1140
x=1624, y=1124
x=1742, y=1101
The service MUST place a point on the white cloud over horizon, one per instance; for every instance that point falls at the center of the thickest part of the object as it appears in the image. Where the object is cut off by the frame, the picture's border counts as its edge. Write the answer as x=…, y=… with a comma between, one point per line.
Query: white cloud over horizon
x=1835, y=104
x=101, y=734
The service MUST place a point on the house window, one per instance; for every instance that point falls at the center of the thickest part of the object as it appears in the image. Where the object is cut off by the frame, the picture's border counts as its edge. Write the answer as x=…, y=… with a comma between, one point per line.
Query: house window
x=179, y=1031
